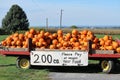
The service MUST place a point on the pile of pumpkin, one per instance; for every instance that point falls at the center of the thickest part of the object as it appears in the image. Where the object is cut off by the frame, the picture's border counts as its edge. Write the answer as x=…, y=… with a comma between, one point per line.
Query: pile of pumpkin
x=76, y=40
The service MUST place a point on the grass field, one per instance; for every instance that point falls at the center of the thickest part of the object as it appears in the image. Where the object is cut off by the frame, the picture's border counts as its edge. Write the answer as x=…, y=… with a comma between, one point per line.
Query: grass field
x=8, y=70
x=2, y=37
x=96, y=31
x=113, y=36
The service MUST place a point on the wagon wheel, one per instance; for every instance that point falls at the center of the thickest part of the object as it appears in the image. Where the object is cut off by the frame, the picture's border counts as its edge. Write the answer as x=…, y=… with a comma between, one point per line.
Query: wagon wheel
x=107, y=66
x=23, y=62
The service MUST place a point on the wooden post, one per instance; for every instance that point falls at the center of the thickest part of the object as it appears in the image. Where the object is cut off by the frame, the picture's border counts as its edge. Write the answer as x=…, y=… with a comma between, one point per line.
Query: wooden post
x=29, y=44
x=89, y=47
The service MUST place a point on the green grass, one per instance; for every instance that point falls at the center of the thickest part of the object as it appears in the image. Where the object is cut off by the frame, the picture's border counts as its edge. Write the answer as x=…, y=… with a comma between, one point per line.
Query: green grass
x=113, y=36
x=8, y=71
x=2, y=37
x=93, y=62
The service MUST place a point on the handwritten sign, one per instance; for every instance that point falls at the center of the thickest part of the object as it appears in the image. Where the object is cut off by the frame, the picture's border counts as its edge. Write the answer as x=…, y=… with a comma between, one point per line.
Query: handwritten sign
x=59, y=58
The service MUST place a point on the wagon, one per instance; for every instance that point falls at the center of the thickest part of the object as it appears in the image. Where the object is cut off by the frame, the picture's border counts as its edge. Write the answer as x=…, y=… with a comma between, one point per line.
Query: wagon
x=48, y=57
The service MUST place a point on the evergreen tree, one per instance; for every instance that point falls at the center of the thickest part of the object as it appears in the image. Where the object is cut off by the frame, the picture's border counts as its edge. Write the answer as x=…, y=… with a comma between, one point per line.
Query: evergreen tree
x=73, y=26
x=15, y=19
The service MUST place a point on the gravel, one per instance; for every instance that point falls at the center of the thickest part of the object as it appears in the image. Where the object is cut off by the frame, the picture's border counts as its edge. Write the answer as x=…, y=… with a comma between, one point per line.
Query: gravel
x=91, y=72
x=83, y=76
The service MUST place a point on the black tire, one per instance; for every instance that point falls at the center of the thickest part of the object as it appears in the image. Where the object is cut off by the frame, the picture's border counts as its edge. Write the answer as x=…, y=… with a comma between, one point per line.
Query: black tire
x=107, y=66
x=23, y=62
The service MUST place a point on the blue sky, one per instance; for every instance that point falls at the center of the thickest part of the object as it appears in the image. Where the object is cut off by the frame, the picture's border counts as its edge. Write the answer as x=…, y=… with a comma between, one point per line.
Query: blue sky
x=76, y=12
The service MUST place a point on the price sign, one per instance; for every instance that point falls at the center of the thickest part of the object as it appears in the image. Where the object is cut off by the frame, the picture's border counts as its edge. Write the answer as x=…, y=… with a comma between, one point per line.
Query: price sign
x=59, y=58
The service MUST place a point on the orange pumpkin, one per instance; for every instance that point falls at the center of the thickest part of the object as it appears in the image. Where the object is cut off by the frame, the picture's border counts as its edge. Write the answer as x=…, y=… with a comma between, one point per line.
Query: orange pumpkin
x=52, y=46
x=88, y=32
x=18, y=46
x=60, y=33
x=24, y=46
x=12, y=46
x=15, y=34
x=118, y=50
x=85, y=44
x=21, y=36
x=43, y=47
x=68, y=35
x=83, y=48
x=108, y=42
x=110, y=47
x=76, y=48
x=46, y=34
x=54, y=35
x=83, y=36
x=18, y=43
x=76, y=44
x=95, y=40
x=4, y=43
x=73, y=39
x=40, y=35
x=75, y=32
x=44, y=44
x=8, y=42
x=90, y=37
x=32, y=31
x=65, y=44
x=60, y=39
x=34, y=40
x=41, y=40
x=30, y=36
x=102, y=42
x=94, y=46
x=115, y=44
x=55, y=42
x=106, y=37
x=59, y=45
x=27, y=33
x=85, y=32
x=39, y=44
x=13, y=43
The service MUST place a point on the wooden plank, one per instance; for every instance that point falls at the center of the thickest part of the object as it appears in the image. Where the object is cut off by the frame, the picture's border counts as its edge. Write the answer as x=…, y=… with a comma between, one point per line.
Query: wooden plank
x=103, y=51
x=20, y=49
x=14, y=49
x=38, y=49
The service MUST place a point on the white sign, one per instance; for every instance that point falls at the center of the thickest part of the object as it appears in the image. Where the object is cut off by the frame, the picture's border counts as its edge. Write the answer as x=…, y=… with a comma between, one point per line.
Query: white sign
x=45, y=58
x=59, y=58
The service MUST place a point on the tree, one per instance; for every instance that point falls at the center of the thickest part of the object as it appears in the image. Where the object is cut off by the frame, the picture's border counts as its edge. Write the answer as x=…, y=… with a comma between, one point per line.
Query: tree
x=73, y=26
x=15, y=19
